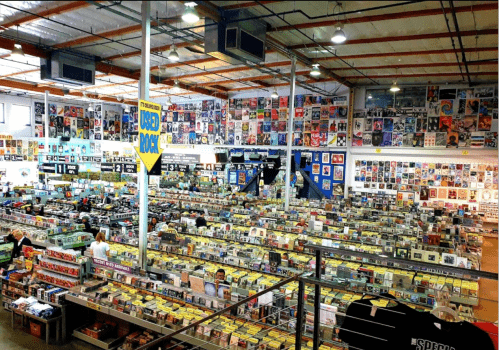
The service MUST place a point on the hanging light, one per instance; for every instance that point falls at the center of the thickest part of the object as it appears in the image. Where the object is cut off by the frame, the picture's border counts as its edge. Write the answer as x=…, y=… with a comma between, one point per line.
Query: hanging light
x=315, y=72
x=339, y=36
x=274, y=93
x=394, y=87
x=190, y=15
x=369, y=97
x=90, y=108
x=169, y=101
x=173, y=55
x=18, y=49
x=127, y=109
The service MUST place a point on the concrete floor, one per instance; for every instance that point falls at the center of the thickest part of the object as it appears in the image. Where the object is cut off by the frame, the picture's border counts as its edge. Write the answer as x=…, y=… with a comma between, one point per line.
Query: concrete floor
x=17, y=339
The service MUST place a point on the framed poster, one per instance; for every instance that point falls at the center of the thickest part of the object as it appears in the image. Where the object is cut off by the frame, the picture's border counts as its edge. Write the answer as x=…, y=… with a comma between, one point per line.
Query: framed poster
x=338, y=159
x=316, y=169
x=326, y=170
x=325, y=157
x=338, y=173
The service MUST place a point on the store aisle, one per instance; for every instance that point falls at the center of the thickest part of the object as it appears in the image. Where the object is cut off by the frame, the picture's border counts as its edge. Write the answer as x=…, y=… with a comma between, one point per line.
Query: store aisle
x=487, y=309
x=17, y=339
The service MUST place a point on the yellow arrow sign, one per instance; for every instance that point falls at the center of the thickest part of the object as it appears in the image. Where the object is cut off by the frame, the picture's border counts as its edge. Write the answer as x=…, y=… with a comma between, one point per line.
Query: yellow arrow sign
x=149, y=149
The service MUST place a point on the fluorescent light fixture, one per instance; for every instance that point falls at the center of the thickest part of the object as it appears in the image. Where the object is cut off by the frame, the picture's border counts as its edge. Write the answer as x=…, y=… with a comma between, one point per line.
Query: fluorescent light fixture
x=315, y=72
x=17, y=50
x=190, y=15
x=394, y=87
x=338, y=36
x=173, y=55
x=274, y=93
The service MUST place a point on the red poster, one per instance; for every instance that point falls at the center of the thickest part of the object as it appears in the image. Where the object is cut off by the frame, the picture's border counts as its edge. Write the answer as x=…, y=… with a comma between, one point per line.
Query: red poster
x=298, y=112
x=316, y=140
x=275, y=114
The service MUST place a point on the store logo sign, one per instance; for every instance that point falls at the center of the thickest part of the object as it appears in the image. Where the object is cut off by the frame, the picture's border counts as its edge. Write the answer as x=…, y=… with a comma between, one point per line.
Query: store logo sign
x=149, y=130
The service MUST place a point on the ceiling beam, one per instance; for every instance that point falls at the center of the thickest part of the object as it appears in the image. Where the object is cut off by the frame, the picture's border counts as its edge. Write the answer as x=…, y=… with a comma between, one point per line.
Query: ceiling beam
x=19, y=73
x=180, y=64
x=247, y=4
x=13, y=84
x=388, y=16
x=262, y=83
x=153, y=49
x=93, y=38
x=397, y=38
x=28, y=49
x=421, y=75
x=405, y=53
x=420, y=65
x=59, y=10
x=109, y=85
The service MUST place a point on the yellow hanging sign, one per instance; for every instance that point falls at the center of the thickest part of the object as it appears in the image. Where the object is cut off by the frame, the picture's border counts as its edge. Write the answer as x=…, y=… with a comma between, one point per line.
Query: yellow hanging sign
x=149, y=131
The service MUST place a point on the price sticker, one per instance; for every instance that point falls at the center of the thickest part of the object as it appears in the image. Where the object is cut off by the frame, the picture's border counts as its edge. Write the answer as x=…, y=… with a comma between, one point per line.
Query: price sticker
x=465, y=153
x=93, y=306
x=378, y=150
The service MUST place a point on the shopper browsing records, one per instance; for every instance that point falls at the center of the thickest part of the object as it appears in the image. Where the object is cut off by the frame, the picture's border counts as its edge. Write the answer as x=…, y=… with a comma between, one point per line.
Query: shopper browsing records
x=105, y=199
x=40, y=210
x=29, y=210
x=22, y=241
x=201, y=221
x=100, y=249
x=220, y=276
x=302, y=223
x=152, y=225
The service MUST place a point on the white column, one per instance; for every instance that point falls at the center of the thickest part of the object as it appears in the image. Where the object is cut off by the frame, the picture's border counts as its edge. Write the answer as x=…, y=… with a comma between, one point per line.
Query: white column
x=144, y=95
x=290, y=132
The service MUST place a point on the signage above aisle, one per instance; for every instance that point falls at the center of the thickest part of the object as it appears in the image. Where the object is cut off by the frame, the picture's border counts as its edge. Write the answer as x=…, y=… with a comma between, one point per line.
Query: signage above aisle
x=149, y=130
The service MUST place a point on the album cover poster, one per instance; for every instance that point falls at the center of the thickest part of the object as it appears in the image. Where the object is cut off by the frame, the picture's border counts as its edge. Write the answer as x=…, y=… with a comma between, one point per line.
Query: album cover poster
x=434, y=109
x=358, y=125
x=342, y=125
x=377, y=138
x=470, y=123
x=421, y=125
x=261, y=103
x=407, y=139
x=432, y=93
x=357, y=139
x=410, y=124
x=387, y=139
x=274, y=126
x=283, y=101
x=440, y=139
x=299, y=101
x=465, y=93
x=433, y=124
x=253, y=103
x=397, y=140
x=490, y=140
x=446, y=107
x=484, y=123
x=275, y=103
x=332, y=139
x=378, y=124
x=445, y=124
x=447, y=94
x=387, y=124
x=484, y=91
x=298, y=139
x=461, y=107
x=282, y=139
x=267, y=115
x=274, y=139
x=486, y=106
x=275, y=114
x=452, y=140
x=316, y=113
x=315, y=140
x=472, y=106
x=39, y=108
x=368, y=124
x=367, y=139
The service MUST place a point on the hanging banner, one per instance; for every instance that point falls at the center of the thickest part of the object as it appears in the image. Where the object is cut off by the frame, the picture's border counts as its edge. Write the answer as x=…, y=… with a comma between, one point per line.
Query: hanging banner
x=149, y=130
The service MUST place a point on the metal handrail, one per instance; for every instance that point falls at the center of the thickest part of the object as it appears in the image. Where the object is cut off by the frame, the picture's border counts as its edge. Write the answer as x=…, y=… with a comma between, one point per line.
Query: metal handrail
x=221, y=312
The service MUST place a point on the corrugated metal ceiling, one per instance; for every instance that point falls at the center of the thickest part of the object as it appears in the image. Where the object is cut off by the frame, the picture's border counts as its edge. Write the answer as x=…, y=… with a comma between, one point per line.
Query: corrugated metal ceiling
x=89, y=18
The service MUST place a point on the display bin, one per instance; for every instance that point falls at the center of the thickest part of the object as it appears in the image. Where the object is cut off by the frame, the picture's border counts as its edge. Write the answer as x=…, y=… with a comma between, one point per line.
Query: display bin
x=36, y=329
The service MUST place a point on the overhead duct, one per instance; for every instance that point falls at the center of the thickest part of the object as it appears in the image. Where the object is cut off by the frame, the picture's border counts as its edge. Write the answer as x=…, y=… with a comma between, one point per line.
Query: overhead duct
x=67, y=68
x=235, y=40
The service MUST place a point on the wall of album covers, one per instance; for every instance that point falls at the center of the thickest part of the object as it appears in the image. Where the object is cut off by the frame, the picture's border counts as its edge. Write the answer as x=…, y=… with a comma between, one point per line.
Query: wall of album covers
x=196, y=123
x=318, y=121
x=453, y=117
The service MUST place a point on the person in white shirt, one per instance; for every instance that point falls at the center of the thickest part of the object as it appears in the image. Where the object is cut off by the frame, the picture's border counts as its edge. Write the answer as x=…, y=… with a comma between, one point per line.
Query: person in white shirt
x=100, y=249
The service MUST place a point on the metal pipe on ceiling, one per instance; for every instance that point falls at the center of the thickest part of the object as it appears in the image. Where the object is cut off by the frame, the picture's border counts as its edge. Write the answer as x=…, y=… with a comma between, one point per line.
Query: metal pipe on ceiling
x=318, y=44
x=258, y=67
x=451, y=37
x=456, y=26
